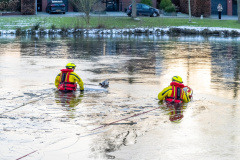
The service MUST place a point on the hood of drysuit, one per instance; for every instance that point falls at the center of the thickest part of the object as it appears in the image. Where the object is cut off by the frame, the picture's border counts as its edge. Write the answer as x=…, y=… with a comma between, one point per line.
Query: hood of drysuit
x=177, y=84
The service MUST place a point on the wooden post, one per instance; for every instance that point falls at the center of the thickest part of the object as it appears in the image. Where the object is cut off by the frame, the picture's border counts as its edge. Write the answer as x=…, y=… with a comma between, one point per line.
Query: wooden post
x=189, y=10
x=134, y=9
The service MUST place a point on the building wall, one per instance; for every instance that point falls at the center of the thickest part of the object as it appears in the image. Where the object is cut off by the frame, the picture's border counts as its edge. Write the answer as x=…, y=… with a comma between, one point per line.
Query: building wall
x=202, y=7
x=208, y=7
x=229, y=7
x=70, y=7
x=99, y=6
x=28, y=7
x=44, y=5
x=234, y=8
x=214, y=4
x=198, y=8
x=123, y=4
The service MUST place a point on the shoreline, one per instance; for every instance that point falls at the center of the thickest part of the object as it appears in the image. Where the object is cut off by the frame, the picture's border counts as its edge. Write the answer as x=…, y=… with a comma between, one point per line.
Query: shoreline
x=175, y=31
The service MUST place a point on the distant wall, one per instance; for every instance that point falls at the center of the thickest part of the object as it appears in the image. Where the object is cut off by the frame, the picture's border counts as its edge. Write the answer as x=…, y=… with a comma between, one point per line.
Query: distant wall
x=198, y=7
x=99, y=6
x=44, y=5
x=28, y=7
x=214, y=4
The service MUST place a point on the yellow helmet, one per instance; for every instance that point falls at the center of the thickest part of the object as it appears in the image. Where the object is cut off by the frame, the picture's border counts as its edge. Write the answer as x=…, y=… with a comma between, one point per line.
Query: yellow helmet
x=177, y=79
x=71, y=65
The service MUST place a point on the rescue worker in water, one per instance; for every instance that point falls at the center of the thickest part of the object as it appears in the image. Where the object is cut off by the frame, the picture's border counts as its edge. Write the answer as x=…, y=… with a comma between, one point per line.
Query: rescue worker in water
x=66, y=80
x=176, y=92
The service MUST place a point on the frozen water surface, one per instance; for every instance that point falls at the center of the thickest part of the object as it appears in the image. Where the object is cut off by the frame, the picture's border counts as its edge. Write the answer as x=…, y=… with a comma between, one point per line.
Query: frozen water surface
x=38, y=122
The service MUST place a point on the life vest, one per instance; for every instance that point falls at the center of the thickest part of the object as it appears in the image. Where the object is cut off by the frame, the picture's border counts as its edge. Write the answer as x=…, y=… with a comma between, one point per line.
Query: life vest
x=177, y=93
x=65, y=85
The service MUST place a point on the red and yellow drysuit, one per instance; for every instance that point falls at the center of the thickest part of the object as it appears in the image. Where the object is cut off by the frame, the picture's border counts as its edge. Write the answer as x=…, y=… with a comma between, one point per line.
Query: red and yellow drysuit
x=174, y=93
x=67, y=79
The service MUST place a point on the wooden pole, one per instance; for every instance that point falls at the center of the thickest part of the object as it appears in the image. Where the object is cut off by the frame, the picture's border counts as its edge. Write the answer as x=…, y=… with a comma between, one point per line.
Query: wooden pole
x=189, y=10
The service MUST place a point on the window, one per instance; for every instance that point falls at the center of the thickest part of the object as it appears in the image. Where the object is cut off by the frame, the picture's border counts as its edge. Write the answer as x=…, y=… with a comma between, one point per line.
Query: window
x=139, y=6
x=145, y=7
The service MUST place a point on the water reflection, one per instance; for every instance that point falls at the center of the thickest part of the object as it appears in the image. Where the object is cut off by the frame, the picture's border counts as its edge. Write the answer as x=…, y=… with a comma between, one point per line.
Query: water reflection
x=174, y=110
x=68, y=99
x=214, y=59
x=226, y=68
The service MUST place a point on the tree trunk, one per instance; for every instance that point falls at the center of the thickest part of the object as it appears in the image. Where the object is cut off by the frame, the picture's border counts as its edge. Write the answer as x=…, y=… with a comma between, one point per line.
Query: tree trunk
x=134, y=9
x=238, y=10
x=189, y=10
x=84, y=6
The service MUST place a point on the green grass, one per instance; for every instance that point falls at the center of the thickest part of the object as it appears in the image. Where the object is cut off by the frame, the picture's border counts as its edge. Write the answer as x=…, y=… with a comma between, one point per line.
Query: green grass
x=8, y=23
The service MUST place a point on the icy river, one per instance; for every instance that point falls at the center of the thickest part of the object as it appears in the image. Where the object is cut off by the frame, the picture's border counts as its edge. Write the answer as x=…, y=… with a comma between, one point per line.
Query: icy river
x=124, y=121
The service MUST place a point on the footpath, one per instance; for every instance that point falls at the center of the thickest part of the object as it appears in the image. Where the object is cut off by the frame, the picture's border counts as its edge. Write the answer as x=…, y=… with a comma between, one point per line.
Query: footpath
x=119, y=14
x=123, y=14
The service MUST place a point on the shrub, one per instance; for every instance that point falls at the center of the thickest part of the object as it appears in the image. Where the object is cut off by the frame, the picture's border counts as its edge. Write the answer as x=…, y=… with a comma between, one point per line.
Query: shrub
x=53, y=27
x=77, y=23
x=148, y=2
x=101, y=26
x=64, y=29
x=2, y=6
x=165, y=3
x=170, y=9
x=13, y=5
x=27, y=7
x=42, y=29
x=10, y=5
x=18, y=31
x=36, y=26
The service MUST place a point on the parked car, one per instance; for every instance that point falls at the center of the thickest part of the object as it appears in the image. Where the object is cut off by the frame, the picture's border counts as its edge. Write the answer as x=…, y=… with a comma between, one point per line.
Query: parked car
x=55, y=6
x=144, y=10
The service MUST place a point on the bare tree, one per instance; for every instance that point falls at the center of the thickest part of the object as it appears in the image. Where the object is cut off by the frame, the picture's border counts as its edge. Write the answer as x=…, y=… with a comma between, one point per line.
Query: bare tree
x=84, y=6
x=238, y=8
x=134, y=9
x=189, y=10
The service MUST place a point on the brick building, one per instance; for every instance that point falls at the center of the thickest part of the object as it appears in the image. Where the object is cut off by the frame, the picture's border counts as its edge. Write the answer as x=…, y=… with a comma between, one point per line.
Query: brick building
x=229, y=7
x=109, y=5
x=208, y=7
x=198, y=7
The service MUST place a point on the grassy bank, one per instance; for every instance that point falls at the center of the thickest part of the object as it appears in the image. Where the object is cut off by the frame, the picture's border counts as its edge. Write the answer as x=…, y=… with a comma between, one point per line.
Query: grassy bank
x=8, y=23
